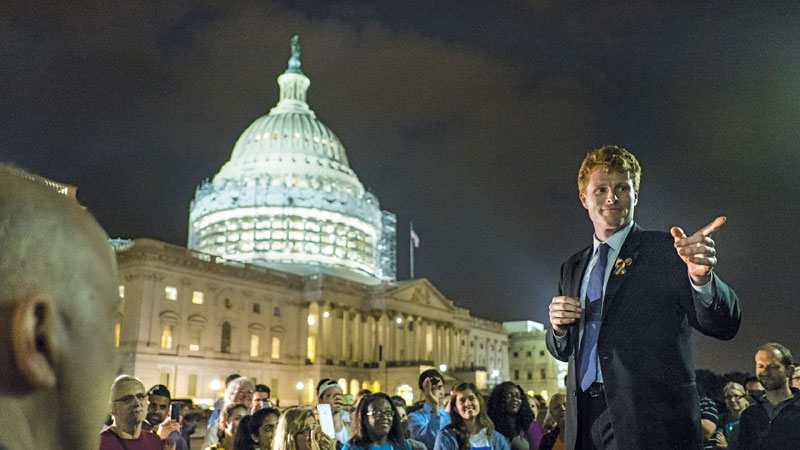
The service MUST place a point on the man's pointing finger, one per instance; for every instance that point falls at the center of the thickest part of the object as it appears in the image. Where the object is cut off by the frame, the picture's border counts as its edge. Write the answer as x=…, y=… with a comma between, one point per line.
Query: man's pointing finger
x=713, y=226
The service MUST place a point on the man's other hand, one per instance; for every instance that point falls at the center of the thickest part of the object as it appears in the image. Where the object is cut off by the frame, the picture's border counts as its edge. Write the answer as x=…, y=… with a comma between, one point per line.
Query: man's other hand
x=564, y=311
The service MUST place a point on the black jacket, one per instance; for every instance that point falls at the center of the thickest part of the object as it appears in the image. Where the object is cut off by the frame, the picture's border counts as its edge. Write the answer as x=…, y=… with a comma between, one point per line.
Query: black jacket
x=758, y=432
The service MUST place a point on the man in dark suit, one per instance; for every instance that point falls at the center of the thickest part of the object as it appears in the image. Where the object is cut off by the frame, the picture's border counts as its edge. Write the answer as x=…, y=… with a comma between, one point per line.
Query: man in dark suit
x=624, y=314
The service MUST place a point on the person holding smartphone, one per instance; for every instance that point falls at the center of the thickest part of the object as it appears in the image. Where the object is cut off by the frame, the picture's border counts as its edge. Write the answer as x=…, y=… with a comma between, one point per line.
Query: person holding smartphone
x=329, y=392
x=158, y=405
x=424, y=424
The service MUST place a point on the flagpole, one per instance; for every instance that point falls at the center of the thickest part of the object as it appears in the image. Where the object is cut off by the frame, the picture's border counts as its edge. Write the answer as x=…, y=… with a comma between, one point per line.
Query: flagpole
x=411, y=246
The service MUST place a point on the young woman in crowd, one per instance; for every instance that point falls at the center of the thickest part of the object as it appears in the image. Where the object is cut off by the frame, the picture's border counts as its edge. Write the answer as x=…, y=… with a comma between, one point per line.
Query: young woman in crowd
x=298, y=430
x=736, y=401
x=229, y=420
x=535, y=431
x=255, y=432
x=554, y=423
x=470, y=427
x=376, y=425
x=511, y=414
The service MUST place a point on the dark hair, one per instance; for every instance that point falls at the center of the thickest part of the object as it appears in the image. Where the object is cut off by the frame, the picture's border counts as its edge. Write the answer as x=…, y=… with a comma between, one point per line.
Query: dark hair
x=359, y=422
x=398, y=401
x=231, y=377
x=786, y=355
x=507, y=425
x=457, y=425
x=249, y=426
x=262, y=388
x=159, y=389
x=430, y=373
x=751, y=379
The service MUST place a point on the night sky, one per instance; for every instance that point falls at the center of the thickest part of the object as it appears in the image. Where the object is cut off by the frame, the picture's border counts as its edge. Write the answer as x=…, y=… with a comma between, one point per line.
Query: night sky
x=468, y=118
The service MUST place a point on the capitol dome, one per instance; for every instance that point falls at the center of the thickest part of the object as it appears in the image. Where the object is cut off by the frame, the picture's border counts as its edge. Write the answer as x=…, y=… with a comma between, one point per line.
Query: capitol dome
x=288, y=198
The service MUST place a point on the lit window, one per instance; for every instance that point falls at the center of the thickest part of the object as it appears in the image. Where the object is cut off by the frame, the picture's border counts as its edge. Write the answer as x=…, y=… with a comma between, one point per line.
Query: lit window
x=167, y=332
x=195, y=335
x=121, y=291
x=116, y=334
x=254, y=345
x=197, y=298
x=171, y=293
x=276, y=347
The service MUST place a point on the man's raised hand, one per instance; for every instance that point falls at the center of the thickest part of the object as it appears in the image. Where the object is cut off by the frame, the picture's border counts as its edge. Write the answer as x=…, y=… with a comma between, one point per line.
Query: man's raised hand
x=697, y=250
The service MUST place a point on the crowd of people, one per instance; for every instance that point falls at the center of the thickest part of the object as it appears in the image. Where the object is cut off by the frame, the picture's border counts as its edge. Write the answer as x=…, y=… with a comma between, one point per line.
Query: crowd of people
x=762, y=413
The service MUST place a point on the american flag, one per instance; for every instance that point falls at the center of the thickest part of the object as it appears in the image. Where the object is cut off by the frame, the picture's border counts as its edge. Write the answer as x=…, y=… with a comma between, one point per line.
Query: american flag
x=415, y=238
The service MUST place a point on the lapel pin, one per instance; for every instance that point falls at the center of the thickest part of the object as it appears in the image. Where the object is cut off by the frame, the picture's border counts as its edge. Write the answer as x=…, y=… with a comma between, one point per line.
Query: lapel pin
x=619, y=266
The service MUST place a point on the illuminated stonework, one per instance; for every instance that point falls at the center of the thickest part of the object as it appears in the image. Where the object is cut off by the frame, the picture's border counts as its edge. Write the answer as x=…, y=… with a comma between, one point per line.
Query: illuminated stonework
x=288, y=198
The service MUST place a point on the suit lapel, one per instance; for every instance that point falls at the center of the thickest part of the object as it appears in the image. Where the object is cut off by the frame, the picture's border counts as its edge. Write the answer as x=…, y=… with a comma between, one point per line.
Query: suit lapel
x=578, y=271
x=627, y=256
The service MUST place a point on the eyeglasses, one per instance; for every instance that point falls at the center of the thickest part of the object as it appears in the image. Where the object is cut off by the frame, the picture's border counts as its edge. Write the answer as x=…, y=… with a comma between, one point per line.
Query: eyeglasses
x=131, y=397
x=733, y=397
x=377, y=413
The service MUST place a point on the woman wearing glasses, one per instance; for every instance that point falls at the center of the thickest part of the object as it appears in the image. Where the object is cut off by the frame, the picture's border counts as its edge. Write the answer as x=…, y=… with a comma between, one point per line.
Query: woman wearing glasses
x=255, y=432
x=298, y=430
x=376, y=425
x=470, y=427
x=736, y=401
x=229, y=420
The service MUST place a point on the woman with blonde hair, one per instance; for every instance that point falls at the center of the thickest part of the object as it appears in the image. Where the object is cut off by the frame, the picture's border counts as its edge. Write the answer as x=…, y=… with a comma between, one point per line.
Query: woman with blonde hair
x=554, y=423
x=736, y=401
x=298, y=429
x=229, y=420
x=470, y=426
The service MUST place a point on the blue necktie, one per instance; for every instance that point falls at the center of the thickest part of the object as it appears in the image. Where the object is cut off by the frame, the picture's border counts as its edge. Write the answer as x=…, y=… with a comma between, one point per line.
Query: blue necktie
x=592, y=313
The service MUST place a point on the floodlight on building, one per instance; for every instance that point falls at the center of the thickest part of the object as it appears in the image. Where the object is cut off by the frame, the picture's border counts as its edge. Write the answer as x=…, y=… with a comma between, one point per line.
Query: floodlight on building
x=442, y=367
x=399, y=320
x=300, y=385
x=215, y=385
x=326, y=314
x=311, y=320
x=495, y=373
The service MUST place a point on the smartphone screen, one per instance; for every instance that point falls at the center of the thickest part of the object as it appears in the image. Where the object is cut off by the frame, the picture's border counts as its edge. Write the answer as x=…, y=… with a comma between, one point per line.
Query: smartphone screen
x=175, y=411
x=326, y=419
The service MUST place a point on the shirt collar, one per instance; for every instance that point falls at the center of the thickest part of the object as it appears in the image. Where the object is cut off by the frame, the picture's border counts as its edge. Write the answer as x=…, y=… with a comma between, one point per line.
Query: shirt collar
x=616, y=240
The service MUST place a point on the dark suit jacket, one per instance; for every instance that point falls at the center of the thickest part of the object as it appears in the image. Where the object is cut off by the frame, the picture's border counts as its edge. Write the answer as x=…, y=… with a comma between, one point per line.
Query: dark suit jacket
x=644, y=344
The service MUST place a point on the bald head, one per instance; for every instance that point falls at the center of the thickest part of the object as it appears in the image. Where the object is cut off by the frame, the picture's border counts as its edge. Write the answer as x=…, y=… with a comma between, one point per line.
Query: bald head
x=57, y=300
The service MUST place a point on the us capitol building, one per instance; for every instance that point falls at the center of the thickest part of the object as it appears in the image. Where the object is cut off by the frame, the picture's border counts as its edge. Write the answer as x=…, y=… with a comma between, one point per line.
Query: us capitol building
x=290, y=277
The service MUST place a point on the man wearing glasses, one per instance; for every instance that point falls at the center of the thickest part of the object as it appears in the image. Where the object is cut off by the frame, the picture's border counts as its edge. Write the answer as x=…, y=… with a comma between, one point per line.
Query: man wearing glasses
x=424, y=424
x=240, y=390
x=129, y=408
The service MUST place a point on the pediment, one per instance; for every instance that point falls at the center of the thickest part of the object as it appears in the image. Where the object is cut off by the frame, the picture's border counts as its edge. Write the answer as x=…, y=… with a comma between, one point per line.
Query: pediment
x=421, y=292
